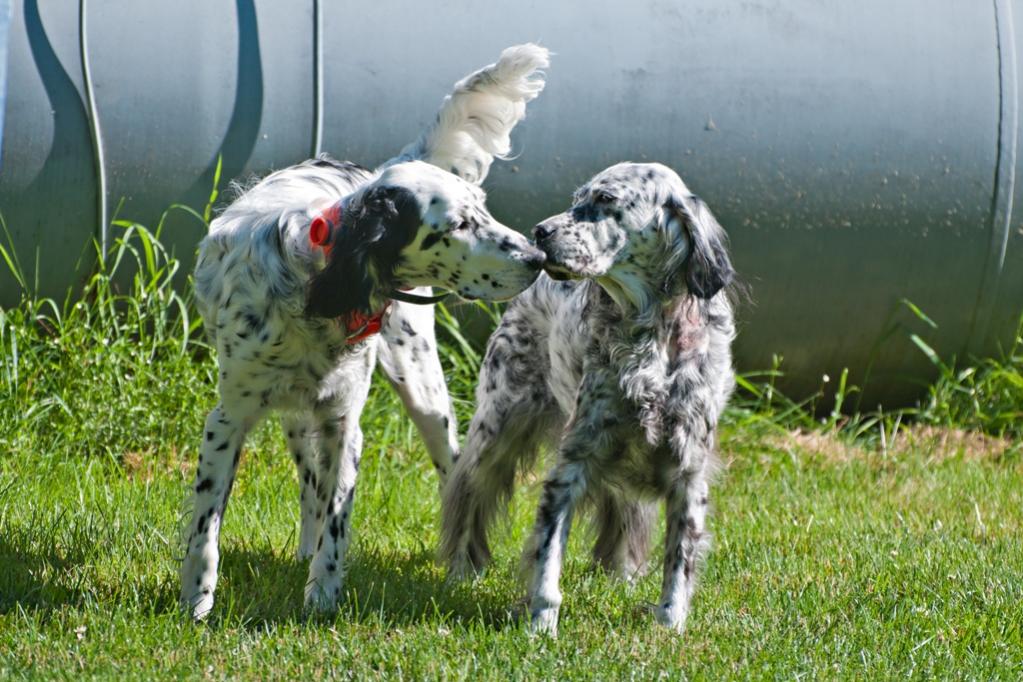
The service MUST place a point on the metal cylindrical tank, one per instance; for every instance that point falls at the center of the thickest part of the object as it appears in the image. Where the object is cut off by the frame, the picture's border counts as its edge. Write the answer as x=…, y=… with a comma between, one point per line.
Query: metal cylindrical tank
x=859, y=154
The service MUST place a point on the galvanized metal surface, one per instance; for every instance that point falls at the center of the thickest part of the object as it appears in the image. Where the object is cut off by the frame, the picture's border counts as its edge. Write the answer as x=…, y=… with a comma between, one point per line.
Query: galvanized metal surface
x=5, y=25
x=859, y=154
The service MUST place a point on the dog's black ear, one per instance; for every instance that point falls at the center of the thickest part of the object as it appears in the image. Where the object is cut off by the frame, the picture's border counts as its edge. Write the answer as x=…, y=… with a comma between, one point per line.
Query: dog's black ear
x=364, y=252
x=704, y=265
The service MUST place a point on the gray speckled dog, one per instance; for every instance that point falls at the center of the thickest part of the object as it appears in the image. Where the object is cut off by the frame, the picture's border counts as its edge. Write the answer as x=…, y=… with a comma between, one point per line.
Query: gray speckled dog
x=626, y=364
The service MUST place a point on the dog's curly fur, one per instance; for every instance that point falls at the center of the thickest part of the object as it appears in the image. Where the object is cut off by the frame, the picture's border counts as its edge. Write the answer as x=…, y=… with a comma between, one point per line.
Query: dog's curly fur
x=626, y=365
x=275, y=308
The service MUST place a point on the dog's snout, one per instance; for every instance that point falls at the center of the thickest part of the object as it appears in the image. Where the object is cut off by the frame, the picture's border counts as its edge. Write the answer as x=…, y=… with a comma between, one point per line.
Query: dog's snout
x=535, y=258
x=543, y=231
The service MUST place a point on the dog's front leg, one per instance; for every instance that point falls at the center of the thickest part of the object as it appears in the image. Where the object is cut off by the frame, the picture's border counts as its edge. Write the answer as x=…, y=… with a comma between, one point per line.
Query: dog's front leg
x=341, y=449
x=545, y=552
x=685, y=542
x=299, y=433
x=408, y=356
x=586, y=447
x=336, y=493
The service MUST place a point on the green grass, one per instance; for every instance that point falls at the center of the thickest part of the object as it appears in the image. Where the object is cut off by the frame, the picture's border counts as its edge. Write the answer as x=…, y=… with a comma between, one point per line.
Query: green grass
x=850, y=556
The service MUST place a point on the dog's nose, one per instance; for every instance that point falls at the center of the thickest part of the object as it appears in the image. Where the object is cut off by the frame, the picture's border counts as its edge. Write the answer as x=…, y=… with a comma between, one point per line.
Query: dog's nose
x=542, y=231
x=536, y=258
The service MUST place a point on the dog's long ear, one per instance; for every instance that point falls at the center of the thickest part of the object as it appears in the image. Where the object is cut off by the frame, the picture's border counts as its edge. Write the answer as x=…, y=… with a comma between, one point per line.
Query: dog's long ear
x=701, y=259
x=365, y=250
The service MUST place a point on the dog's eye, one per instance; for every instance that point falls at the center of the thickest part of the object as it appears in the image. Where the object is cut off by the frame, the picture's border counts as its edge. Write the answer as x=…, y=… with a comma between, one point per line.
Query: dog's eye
x=604, y=198
x=464, y=225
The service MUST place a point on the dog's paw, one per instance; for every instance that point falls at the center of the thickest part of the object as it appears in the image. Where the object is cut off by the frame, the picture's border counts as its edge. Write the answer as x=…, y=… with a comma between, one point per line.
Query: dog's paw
x=463, y=570
x=197, y=606
x=628, y=574
x=543, y=621
x=321, y=596
x=671, y=618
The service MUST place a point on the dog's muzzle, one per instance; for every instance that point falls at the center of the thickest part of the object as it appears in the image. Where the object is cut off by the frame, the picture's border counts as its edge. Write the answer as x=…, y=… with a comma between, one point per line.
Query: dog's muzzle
x=543, y=234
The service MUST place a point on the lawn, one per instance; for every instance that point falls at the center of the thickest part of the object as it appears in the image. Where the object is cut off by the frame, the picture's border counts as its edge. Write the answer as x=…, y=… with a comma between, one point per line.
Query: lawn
x=836, y=555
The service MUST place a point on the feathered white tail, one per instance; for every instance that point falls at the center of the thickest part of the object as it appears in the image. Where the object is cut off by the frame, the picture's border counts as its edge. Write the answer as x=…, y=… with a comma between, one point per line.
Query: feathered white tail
x=475, y=121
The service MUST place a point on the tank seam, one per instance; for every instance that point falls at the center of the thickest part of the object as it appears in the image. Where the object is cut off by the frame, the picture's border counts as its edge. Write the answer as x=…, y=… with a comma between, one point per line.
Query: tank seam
x=95, y=132
x=317, y=78
x=1004, y=178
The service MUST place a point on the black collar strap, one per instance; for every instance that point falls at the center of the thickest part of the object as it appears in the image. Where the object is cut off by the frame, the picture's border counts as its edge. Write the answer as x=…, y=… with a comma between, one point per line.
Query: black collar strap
x=405, y=297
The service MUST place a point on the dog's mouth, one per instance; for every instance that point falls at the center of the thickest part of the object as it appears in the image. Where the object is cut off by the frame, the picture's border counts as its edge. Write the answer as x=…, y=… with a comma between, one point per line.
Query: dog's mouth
x=558, y=271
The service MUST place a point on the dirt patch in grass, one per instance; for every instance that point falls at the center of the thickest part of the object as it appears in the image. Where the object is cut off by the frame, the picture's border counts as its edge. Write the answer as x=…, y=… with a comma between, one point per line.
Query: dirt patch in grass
x=828, y=445
x=934, y=442
x=942, y=443
x=142, y=466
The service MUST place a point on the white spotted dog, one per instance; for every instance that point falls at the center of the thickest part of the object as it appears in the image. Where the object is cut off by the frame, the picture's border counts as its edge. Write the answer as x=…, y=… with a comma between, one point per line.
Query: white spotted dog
x=625, y=364
x=299, y=273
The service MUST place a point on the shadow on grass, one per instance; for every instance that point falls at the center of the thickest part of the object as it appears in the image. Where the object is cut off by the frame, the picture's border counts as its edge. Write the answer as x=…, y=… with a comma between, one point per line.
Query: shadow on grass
x=36, y=577
x=46, y=579
x=260, y=587
x=49, y=565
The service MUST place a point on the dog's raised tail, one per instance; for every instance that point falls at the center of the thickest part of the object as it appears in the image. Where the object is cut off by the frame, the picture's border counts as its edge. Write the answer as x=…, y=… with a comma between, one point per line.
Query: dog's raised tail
x=475, y=121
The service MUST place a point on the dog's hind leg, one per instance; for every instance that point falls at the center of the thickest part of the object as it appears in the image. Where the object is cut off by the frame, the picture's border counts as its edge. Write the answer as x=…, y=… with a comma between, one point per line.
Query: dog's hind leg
x=515, y=413
x=299, y=432
x=408, y=356
x=623, y=534
x=218, y=461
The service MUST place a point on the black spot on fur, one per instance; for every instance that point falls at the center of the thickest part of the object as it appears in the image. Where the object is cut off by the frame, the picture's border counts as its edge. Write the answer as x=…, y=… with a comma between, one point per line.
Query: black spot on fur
x=346, y=168
x=253, y=321
x=430, y=240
